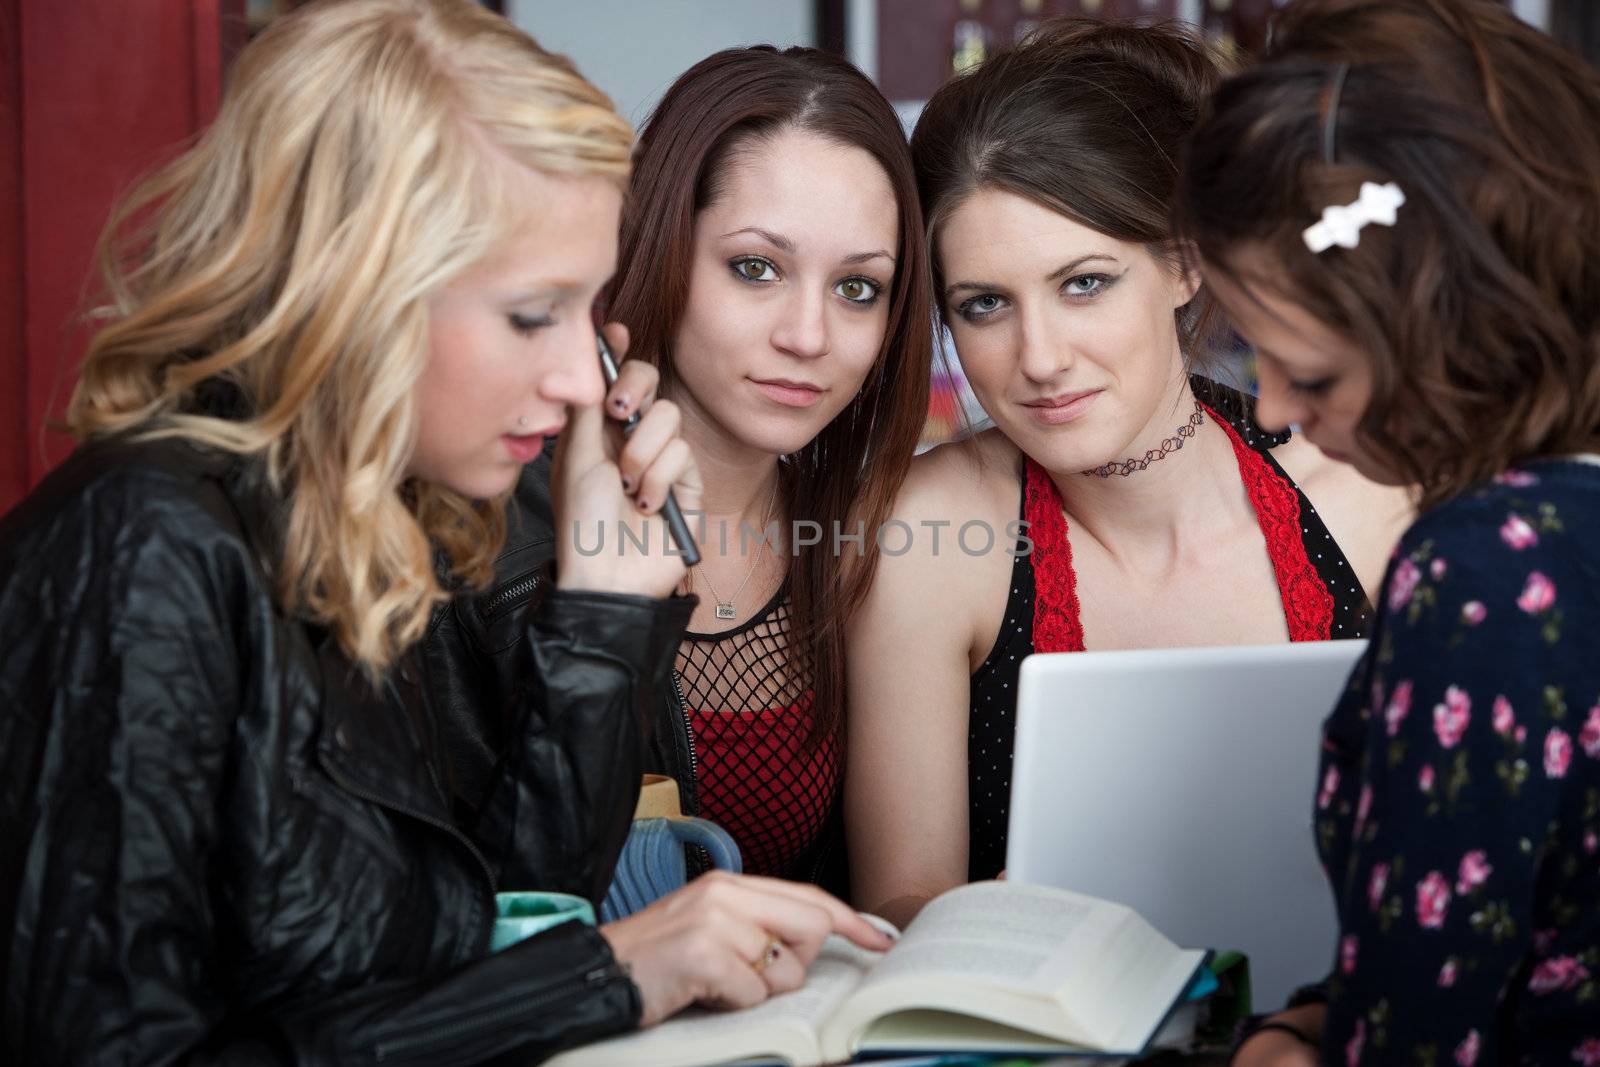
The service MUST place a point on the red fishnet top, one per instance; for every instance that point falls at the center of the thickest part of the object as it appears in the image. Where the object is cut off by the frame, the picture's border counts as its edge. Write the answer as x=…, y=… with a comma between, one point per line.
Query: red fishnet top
x=749, y=701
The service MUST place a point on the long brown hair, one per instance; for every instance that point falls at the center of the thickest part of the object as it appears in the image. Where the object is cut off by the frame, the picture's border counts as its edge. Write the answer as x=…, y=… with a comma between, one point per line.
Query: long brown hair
x=1084, y=118
x=1479, y=310
x=851, y=472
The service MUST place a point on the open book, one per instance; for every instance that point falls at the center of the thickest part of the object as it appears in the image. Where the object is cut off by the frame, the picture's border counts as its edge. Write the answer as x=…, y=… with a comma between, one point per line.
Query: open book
x=992, y=966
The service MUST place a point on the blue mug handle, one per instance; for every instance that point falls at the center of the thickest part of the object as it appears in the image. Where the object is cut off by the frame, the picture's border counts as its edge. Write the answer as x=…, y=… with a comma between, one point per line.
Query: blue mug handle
x=717, y=842
x=647, y=871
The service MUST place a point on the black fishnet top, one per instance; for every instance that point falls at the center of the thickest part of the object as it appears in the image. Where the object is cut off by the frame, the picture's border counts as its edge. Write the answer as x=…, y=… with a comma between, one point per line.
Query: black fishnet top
x=749, y=703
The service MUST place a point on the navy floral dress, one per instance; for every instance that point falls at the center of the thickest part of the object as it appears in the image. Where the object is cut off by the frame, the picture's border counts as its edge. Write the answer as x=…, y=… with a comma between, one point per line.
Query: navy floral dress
x=1458, y=808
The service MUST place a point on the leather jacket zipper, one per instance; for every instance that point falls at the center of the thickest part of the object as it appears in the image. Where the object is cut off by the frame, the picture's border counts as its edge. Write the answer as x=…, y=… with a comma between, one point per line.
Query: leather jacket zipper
x=688, y=734
x=496, y=1015
x=509, y=595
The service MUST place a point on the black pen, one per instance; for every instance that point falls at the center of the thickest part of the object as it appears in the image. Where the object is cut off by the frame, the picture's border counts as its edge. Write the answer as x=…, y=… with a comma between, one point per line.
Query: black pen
x=669, y=507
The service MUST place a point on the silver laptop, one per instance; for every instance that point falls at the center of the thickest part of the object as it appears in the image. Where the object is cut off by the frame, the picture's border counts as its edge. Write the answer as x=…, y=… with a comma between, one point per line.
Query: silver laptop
x=1180, y=782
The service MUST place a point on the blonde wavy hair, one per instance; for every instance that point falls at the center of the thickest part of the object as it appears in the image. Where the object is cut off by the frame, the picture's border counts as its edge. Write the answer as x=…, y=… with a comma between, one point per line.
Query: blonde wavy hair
x=358, y=163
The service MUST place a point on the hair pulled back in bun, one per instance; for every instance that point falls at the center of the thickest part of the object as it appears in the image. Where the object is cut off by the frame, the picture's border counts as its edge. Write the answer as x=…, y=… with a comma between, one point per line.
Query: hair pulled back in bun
x=1085, y=118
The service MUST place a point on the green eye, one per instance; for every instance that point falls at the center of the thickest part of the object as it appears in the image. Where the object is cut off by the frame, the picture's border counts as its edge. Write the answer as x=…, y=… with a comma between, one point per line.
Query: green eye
x=754, y=269
x=857, y=290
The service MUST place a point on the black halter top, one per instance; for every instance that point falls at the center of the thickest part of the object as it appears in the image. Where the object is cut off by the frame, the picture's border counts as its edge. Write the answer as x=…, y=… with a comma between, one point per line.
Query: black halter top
x=1322, y=600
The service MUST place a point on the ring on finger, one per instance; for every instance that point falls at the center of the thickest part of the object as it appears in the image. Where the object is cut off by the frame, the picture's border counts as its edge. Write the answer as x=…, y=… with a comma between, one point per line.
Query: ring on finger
x=769, y=955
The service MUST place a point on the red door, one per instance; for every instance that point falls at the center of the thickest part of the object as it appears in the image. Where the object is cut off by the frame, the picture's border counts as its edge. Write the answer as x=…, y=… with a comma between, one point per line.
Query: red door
x=93, y=93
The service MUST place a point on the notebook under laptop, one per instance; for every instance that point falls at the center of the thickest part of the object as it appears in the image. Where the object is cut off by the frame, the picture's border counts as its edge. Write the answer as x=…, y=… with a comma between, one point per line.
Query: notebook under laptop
x=1181, y=782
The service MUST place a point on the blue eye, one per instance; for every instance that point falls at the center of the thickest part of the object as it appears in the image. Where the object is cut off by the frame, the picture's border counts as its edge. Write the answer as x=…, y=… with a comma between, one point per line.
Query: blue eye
x=753, y=269
x=858, y=290
x=526, y=324
x=976, y=309
x=1086, y=285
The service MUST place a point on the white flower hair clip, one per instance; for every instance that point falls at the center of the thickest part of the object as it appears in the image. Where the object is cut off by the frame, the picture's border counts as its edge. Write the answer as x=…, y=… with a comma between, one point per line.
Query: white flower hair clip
x=1342, y=223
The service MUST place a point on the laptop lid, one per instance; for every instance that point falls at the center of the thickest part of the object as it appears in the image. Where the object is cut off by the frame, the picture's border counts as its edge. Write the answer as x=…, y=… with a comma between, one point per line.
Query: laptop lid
x=1180, y=782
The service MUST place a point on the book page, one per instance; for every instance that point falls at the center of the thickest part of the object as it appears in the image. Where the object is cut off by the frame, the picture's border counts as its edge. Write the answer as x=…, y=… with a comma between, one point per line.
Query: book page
x=782, y=1028
x=1009, y=954
x=1003, y=934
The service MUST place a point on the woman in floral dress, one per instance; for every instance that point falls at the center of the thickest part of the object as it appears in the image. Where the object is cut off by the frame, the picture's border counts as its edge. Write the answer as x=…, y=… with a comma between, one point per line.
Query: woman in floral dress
x=1401, y=210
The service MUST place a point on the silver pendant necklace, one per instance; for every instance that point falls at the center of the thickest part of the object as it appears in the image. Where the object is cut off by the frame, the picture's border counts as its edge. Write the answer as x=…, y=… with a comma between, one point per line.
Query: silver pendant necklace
x=725, y=609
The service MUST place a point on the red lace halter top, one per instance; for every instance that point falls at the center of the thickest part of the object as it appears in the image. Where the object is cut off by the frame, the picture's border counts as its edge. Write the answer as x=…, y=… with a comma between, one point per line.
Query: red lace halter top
x=1057, y=625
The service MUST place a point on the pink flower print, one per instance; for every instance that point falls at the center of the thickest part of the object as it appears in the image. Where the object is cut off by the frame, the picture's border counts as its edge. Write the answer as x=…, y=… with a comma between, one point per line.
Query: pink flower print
x=1404, y=583
x=1589, y=737
x=1591, y=842
x=1377, y=884
x=1473, y=612
x=1543, y=941
x=1517, y=534
x=1447, y=973
x=1537, y=595
x=1352, y=1051
x=1450, y=718
x=1521, y=733
x=1433, y=900
x=1467, y=1051
x=1347, y=954
x=1555, y=975
x=1504, y=717
x=1425, y=778
x=1330, y=785
x=1475, y=870
x=1437, y=569
x=1363, y=806
x=1399, y=707
x=1557, y=753
x=1588, y=1053
x=1516, y=479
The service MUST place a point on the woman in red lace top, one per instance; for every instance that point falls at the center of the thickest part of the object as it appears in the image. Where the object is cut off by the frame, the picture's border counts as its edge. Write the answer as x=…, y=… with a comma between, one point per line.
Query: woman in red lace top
x=773, y=266
x=1160, y=514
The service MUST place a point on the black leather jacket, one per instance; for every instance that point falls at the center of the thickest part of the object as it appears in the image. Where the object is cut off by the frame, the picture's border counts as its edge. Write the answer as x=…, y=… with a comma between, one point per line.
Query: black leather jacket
x=476, y=665
x=219, y=843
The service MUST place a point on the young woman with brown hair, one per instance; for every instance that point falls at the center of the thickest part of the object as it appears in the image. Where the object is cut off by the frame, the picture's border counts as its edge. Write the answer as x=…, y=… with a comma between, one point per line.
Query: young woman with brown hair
x=1160, y=514
x=1401, y=209
x=773, y=267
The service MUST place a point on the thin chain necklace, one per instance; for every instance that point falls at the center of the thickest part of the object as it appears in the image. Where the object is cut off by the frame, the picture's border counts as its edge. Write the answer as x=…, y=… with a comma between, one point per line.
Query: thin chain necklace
x=725, y=608
x=1126, y=467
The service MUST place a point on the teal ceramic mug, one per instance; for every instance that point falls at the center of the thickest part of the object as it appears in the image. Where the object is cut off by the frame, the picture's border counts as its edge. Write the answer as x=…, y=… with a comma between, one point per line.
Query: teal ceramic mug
x=522, y=914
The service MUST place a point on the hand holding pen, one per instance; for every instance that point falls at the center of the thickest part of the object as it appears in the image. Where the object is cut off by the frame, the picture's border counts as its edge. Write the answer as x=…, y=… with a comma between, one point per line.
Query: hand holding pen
x=679, y=529
x=611, y=491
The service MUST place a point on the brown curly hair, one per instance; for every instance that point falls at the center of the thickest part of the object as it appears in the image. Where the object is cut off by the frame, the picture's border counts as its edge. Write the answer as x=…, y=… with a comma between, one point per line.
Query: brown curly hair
x=1480, y=309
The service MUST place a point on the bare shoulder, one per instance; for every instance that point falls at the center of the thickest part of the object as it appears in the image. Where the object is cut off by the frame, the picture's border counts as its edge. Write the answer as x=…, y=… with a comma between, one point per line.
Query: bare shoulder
x=1366, y=519
x=935, y=565
x=980, y=471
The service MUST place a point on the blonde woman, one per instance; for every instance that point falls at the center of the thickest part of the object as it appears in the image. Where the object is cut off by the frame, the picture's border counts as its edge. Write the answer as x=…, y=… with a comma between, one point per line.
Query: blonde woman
x=361, y=304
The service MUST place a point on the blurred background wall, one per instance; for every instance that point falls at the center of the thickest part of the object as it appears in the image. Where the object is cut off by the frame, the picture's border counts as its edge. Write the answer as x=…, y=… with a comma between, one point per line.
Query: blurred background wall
x=633, y=50
x=94, y=93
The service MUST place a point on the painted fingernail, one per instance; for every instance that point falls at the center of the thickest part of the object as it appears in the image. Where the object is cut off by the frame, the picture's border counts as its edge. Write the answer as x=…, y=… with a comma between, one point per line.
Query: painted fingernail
x=620, y=402
x=644, y=505
x=627, y=484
